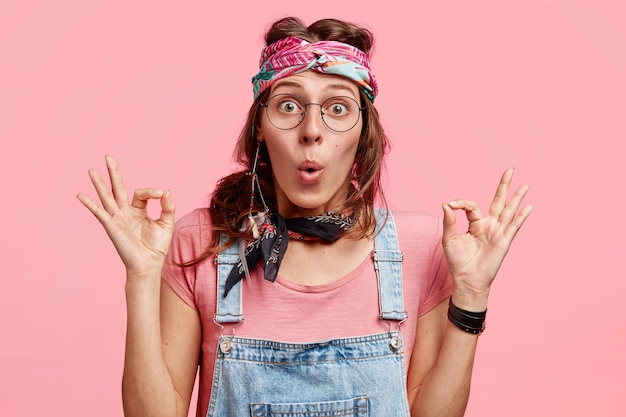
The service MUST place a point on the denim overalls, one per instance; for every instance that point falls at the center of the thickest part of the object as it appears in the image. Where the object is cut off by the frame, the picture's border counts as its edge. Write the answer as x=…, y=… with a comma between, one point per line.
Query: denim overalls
x=357, y=376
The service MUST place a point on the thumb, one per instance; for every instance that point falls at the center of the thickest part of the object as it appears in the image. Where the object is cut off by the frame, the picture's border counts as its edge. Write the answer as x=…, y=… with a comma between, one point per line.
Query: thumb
x=449, y=222
x=168, y=209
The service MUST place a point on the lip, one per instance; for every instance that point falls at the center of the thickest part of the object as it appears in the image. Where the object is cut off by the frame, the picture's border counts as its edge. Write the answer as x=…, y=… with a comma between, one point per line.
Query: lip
x=310, y=172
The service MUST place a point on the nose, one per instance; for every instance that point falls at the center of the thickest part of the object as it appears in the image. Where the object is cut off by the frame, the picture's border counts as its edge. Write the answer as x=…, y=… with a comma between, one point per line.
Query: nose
x=312, y=124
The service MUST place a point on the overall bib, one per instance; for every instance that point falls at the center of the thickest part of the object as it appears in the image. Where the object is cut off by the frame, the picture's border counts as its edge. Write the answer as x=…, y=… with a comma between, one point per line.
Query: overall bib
x=357, y=376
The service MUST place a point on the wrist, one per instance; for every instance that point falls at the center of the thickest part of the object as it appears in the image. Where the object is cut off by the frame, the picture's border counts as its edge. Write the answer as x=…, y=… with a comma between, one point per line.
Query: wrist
x=144, y=282
x=470, y=300
x=472, y=322
x=149, y=272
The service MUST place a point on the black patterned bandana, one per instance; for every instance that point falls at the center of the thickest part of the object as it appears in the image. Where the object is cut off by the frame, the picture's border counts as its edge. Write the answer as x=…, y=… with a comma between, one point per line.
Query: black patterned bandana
x=274, y=235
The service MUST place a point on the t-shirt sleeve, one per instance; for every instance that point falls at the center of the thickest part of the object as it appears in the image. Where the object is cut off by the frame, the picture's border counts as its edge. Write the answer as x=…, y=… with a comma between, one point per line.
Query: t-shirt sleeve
x=427, y=278
x=191, y=237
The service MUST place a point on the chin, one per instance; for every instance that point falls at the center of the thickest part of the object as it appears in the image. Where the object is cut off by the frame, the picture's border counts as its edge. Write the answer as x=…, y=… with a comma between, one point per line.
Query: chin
x=308, y=202
x=311, y=208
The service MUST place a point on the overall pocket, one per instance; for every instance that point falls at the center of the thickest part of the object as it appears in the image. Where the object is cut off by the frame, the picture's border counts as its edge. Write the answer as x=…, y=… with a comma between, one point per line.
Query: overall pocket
x=355, y=407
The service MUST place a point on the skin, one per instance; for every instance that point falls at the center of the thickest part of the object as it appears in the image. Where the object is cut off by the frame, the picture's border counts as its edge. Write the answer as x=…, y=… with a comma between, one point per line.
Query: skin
x=311, y=142
x=164, y=334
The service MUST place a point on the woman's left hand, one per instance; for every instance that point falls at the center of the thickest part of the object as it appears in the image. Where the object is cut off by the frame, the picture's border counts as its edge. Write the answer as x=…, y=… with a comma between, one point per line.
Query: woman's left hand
x=475, y=256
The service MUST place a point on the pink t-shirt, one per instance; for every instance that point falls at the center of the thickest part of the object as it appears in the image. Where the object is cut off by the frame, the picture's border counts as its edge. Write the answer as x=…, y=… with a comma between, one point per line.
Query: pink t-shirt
x=289, y=312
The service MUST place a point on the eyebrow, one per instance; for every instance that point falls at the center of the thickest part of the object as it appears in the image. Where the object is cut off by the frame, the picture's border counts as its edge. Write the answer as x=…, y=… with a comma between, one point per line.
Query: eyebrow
x=295, y=84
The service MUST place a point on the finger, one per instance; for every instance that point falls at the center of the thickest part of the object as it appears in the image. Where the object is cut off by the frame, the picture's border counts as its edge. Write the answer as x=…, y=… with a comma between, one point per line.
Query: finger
x=100, y=214
x=117, y=183
x=103, y=191
x=167, y=209
x=470, y=207
x=502, y=192
x=513, y=205
x=517, y=222
x=142, y=195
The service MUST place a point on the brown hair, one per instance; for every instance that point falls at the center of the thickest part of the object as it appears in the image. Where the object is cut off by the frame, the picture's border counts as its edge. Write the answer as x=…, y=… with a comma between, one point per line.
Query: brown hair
x=230, y=202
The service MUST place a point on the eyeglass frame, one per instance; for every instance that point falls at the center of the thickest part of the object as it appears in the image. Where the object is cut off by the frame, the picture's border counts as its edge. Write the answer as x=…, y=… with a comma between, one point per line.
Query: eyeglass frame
x=305, y=111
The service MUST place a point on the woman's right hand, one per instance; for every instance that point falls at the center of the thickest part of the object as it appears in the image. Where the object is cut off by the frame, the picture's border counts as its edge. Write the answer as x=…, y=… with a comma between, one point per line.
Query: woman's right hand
x=141, y=242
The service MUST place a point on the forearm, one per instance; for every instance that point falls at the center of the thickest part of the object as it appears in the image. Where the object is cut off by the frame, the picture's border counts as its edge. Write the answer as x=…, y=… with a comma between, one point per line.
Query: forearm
x=147, y=388
x=445, y=390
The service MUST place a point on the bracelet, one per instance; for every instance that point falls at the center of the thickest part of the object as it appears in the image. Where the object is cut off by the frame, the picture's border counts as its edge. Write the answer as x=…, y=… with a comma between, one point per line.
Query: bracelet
x=468, y=321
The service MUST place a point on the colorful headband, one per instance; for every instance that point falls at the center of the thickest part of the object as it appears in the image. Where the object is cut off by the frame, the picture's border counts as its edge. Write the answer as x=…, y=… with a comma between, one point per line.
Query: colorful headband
x=292, y=55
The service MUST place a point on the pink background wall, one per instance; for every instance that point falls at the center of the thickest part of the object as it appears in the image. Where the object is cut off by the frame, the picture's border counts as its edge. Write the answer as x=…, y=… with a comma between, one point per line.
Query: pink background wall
x=467, y=89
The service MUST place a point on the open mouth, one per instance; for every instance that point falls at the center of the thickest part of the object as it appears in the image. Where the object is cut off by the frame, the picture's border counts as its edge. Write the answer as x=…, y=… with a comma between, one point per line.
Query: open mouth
x=310, y=174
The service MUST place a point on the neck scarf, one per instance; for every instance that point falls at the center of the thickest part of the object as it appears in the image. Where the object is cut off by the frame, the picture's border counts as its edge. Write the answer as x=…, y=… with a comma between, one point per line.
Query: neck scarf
x=292, y=55
x=274, y=235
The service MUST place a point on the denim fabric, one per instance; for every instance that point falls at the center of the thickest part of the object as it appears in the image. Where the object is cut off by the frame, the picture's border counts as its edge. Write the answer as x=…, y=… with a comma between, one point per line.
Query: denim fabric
x=356, y=407
x=388, y=265
x=228, y=309
x=359, y=376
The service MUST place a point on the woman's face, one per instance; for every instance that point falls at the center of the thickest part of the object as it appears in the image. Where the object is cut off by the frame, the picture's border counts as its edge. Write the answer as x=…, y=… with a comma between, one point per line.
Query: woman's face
x=311, y=164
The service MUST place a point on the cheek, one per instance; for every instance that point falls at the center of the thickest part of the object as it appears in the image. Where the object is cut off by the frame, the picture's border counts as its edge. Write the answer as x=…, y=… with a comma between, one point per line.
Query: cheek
x=354, y=146
x=279, y=153
x=345, y=156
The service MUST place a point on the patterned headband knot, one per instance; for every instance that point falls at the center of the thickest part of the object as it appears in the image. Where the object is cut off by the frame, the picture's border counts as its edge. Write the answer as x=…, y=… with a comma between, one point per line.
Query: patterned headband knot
x=292, y=55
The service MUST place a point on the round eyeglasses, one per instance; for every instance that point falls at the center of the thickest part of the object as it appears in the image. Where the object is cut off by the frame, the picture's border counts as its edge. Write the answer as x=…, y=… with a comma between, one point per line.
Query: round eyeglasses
x=286, y=112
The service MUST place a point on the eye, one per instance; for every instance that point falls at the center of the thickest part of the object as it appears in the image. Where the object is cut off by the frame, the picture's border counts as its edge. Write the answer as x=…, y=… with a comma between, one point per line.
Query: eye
x=337, y=106
x=338, y=109
x=289, y=105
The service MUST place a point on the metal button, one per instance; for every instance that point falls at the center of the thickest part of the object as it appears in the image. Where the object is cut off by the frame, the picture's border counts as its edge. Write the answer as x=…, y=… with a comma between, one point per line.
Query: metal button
x=226, y=346
x=395, y=343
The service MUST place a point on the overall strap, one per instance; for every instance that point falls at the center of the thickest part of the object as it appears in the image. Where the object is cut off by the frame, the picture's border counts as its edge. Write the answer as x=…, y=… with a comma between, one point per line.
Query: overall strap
x=228, y=309
x=388, y=265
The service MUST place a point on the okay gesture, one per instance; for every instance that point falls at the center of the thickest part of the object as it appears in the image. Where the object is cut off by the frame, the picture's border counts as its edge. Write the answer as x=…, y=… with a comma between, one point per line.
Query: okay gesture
x=474, y=257
x=142, y=242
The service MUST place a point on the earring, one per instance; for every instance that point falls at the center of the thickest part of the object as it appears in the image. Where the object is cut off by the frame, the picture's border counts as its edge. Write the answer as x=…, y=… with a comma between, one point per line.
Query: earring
x=252, y=219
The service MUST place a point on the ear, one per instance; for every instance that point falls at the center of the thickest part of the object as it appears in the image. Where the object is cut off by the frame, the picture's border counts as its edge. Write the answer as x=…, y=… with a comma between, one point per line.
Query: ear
x=258, y=129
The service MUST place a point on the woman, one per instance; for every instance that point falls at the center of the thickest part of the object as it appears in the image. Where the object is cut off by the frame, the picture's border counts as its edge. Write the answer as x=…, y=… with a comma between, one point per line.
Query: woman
x=287, y=244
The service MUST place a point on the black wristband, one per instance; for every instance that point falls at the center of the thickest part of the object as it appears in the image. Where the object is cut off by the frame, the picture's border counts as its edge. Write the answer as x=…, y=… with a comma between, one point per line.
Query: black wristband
x=468, y=321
